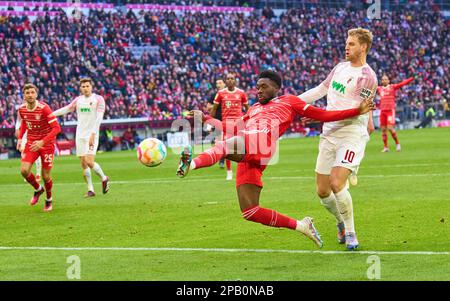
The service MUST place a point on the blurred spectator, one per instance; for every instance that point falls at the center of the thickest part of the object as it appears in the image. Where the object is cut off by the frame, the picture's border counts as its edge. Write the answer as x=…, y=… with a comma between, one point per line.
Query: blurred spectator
x=429, y=115
x=128, y=141
x=106, y=139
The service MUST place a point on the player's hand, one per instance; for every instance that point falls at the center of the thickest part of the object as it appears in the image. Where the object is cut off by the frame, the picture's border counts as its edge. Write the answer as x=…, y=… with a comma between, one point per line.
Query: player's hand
x=370, y=128
x=19, y=145
x=309, y=120
x=366, y=105
x=197, y=114
x=91, y=141
x=36, y=145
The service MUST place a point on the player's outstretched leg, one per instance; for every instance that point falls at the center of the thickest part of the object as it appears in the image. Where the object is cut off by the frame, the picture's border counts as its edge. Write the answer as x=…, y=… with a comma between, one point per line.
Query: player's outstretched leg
x=249, y=202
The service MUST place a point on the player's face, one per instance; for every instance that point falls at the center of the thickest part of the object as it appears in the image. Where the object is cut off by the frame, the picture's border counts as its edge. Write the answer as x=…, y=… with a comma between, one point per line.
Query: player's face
x=353, y=49
x=267, y=90
x=385, y=81
x=30, y=95
x=86, y=89
x=231, y=81
x=220, y=84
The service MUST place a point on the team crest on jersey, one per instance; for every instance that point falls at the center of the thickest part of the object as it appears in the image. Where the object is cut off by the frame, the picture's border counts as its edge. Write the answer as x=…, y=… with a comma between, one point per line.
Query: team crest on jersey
x=38, y=117
x=365, y=93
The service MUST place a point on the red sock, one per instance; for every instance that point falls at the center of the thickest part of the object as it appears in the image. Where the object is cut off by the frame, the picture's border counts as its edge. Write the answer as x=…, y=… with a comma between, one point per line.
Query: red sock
x=384, y=135
x=48, y=188
x=268, y=217
x=394, y=135
x=32, y=180
x=228, y=162
x=211, y=156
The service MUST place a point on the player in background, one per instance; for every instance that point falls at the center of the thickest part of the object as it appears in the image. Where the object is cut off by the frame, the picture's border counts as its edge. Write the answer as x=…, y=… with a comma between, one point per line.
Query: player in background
x=387, y=106
x=90, y=108
x=258, y=131
x=41, y=127
x=38, y=161
x=220, y=84
x=342, y=143
x=232, y=100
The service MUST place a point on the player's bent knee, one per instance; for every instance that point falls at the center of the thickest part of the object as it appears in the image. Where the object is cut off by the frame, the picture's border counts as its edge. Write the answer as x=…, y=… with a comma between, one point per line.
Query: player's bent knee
x=337, y=185
x=24, y=172
x=323, y=193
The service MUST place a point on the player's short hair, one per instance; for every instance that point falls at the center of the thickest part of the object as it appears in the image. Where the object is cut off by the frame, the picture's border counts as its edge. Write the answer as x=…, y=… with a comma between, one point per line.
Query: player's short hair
x=272, y=75
x=86, y=80
x=364, y=36
x=29, y=86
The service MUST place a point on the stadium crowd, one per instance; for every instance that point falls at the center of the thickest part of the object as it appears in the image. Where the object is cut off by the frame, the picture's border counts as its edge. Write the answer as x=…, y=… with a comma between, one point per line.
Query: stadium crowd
x=197, y=48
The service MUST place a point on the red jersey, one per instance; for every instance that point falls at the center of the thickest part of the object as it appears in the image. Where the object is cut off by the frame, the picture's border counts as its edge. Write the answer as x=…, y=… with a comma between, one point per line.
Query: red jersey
x=387, y=94
x=279, y=112
x=231, y=102
x=39, y=123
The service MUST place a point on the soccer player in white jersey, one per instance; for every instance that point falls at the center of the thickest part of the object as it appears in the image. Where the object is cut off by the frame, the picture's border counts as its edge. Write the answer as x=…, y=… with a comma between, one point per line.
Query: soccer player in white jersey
x=342, y=143
x=90, y=109
x=38, y=161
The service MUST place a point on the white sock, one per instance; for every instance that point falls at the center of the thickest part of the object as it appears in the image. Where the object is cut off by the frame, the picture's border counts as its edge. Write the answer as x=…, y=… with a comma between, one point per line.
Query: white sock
x=88, y=178
x=330, y=204
x=301, y=226
x=192, y=165
x=39, y=166
x=345, y=205
x=98, y=170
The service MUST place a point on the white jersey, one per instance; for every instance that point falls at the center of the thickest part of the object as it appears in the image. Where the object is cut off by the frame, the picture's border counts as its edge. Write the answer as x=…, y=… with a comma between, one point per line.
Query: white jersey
x=90, y=112
x=346, y=87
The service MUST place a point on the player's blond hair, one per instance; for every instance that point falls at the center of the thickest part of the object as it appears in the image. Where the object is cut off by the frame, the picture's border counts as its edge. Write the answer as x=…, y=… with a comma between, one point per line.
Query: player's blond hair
x=29, y=86
x=86, y=80
x=363, y=35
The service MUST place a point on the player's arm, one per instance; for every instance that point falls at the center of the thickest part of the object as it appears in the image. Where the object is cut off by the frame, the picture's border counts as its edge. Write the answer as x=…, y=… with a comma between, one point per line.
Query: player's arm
x=214, y=110
x=320, y=91
x=307, y=110
x=21, y=132
x=18, y=123
x=403, y=83
x=370, y=126
x=245, y=102
x=55, y=129
x=216, y=103
x=67, y=109
x=100, y=112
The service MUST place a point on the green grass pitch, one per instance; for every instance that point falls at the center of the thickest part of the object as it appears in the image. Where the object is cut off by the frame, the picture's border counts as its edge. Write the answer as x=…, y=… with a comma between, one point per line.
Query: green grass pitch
x=193, y=229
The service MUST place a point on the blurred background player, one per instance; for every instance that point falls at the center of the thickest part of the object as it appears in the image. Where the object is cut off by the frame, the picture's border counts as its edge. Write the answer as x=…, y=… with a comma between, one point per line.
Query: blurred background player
x=253, y=147
x=387, y=107
x=41, y=127
x=342, y=143
x=232, y=100
x=38, y=161
x=220, y=84
x=90, y=109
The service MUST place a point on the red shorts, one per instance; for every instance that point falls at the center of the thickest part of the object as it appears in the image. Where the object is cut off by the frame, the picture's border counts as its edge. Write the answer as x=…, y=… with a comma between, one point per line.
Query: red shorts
x=46, y=153
x=258, y=152
x=387, y=117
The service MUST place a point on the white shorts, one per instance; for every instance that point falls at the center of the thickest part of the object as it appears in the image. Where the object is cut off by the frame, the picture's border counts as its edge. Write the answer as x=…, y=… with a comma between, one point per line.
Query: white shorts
x=83, y=147
x=345, y=152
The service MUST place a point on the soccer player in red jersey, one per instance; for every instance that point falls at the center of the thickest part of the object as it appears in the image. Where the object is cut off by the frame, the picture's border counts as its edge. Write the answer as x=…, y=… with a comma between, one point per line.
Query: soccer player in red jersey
x=42, y=127
x=231, y=100
x=387, y=106
x=253, y=147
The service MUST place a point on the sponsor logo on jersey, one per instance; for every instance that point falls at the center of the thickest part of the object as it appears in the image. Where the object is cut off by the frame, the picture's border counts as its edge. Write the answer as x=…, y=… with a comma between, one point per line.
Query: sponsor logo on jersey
x=85, y=110
x=365, y=93
x=338, y=87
